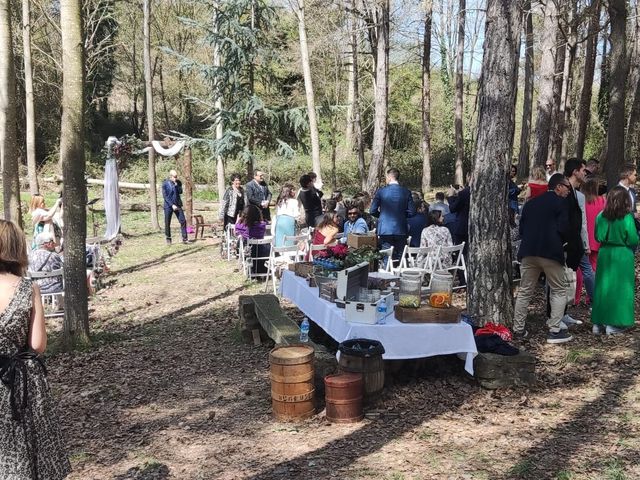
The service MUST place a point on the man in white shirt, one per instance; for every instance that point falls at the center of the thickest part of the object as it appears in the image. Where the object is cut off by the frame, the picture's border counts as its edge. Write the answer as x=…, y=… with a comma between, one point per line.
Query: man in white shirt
x=628, y=177
x=550, y=168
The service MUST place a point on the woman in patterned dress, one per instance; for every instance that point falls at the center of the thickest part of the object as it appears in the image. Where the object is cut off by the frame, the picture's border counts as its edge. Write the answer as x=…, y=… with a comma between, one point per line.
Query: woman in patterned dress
x=30, y=443
x=437, y=235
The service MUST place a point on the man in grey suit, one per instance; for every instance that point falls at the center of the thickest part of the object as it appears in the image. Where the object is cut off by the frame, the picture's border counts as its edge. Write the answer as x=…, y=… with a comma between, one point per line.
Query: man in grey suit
x=257, y=193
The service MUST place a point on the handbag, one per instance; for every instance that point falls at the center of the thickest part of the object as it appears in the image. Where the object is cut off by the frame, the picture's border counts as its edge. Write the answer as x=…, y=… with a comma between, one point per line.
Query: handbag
x=570, y=280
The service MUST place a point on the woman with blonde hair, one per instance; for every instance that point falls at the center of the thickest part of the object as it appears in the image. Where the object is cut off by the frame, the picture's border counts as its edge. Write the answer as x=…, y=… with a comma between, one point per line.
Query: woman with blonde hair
x=537, y=184
x=30, y=441
x=41, y=218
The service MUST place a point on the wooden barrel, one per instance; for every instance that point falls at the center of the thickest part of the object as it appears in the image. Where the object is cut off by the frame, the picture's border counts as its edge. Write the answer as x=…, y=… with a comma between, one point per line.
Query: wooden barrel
x=292, y=390
x=343, y=395
x=371, y=368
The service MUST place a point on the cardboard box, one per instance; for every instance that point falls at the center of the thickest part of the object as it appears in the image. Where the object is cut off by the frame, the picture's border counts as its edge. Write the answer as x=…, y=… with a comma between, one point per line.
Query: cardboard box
x=357, y=241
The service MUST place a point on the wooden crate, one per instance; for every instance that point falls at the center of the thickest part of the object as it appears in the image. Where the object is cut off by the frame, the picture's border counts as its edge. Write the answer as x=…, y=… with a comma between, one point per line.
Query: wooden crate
x=427, y=314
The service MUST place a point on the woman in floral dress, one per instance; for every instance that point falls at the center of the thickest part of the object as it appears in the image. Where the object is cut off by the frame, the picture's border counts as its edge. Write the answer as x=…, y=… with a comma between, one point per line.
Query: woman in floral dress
x=437, y=235
x=30, y=443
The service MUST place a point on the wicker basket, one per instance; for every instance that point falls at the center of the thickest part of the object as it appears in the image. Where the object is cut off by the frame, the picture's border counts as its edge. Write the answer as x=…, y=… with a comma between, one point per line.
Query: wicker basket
x=328, y=289
x=302, y=269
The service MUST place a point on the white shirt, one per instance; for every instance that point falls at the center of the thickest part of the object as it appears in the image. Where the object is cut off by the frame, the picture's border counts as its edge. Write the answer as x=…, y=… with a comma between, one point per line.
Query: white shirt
x=628, y=189
x=290, y=207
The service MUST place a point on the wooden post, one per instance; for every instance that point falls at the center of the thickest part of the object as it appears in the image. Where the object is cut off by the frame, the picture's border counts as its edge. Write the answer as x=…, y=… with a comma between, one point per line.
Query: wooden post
x=188, y=184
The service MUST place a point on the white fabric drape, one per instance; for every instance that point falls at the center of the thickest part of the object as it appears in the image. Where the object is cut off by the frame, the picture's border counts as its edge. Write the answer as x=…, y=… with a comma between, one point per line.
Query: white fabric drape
x=111, y=199
x=167, y=152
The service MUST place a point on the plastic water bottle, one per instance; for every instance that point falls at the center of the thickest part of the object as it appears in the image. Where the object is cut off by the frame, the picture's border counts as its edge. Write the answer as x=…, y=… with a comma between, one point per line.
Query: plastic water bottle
x=304, y=330
x=382, y=311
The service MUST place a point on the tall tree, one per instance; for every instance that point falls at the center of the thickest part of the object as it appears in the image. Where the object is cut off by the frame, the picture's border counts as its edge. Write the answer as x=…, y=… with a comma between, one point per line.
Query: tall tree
x=379, y=29
x=218, y=107
x=459, y=133
x=617, y=96
x=76, y=315
x=489, y=295
x=148, y=82
x=355, y=95
x=633, y=124
x=527, y=107
x=308, y=89
x=545, y=88
x=28, y=91
x=586, y=91
x=426, y=96
x=8, y=133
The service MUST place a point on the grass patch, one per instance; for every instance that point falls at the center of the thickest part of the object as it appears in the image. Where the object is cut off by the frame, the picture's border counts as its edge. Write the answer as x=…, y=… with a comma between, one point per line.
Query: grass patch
x=580, y=355
x=614, y=470
x=564, y=475
x=522, y=468
x=425, y=434
x=79, y=457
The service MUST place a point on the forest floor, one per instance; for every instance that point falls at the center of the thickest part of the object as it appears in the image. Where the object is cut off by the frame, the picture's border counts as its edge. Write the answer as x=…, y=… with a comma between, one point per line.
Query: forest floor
x=168, y=390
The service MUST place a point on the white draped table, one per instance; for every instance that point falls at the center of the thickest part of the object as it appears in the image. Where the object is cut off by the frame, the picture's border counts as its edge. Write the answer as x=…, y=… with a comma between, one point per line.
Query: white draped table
x=400, y=340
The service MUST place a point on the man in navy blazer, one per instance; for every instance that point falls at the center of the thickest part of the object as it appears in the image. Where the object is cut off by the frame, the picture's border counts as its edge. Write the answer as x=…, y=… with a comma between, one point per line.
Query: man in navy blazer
x=545, y=230
x=392, y=205
x=171, y=191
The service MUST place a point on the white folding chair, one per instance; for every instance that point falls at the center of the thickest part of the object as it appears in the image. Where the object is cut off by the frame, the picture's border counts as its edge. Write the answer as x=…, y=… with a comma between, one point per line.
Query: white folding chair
x=230, y=239
x=315, y=248
x=280, y=258
x=418, y=259
x=253, y=261
x=458, y=262
x=53, y=303
x=388, y=254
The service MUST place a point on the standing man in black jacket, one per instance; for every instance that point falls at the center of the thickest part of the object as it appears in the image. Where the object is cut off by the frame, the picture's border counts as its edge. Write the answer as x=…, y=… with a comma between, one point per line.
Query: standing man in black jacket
x=257, y=193
x=171, y=191
x=544, y=229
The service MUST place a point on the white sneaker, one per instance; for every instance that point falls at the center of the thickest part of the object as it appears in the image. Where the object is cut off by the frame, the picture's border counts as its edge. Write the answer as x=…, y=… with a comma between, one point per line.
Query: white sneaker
x=597, y=330
x=569, y=320
x=615, y=330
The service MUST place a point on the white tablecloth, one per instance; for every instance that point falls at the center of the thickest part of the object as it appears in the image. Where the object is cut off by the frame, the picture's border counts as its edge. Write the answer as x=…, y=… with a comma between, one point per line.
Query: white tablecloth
x=400, y=340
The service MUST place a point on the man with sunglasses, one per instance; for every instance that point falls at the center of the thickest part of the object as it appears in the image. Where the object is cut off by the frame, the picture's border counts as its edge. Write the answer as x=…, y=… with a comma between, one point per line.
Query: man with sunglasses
x=544, y=232
x=355, y=223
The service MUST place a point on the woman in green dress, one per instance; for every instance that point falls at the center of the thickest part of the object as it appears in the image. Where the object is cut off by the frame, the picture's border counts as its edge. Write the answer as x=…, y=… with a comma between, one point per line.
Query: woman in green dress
x=615, y=276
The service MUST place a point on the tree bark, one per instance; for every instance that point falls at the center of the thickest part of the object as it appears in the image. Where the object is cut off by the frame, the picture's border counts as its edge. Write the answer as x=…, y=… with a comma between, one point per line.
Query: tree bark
x=308, y=89
x=74, y=196
x=524, y=161
x=219, y=124
x=545, y=88
x=459, y=132
x=348, y=134
x=8, y=127
x=584, y=105
x=148, y=82
x=381, y=115
x=619, y=70
x=489, y=293
x=558, y=79
x=633, y=125
x=357, y=119
x=188, y=184
x=426, y=97
x=32, y=172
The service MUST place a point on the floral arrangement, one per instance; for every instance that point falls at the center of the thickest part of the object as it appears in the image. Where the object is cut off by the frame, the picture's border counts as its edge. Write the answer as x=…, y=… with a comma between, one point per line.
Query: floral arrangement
x=363, y=254
x=332, y=258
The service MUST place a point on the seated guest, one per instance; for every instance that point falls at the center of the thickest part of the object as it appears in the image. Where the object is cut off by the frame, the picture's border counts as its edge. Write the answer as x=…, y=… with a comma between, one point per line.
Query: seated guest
x=45, y=259
x=440, y=204
x=437, y=235
x=364, y=202
x=419, y=221
x=310, y=200
x=287, y=212
x=341, y=210
x=355, y=223
x=251, y=225
x=331, y=207
x=326, y=230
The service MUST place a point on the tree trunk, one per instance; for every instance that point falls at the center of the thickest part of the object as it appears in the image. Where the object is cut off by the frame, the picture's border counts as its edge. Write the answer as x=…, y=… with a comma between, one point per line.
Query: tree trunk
x=74, y=196
x=524, y=161
x=381, y=115
x=357, y=119
x=545, y=88
x=148, y=82
x=489, y=293
x=565, y=102
x=584, y=105
x=426, y=97
x=8, y=127
x=219, y=125
x=617, y=96
x=348, y=134
x=308, y=89
x=633, y=125
x=459, y=133
x=32, y=171
x=558, y=80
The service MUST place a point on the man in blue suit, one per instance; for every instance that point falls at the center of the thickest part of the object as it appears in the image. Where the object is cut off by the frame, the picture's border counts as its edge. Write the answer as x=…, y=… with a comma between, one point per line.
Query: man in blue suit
x=392, y=205
x=171, y=191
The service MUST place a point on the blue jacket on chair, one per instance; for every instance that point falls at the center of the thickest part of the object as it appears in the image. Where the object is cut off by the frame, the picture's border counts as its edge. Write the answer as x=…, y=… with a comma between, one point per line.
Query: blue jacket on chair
x=393, y=205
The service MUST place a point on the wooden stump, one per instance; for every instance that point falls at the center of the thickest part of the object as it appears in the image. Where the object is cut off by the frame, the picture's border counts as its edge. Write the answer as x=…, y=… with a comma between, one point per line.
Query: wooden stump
x=499, y=371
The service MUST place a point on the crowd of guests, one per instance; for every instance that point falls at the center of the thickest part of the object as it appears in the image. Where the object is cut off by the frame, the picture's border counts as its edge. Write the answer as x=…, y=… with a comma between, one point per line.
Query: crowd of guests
x=572, y=226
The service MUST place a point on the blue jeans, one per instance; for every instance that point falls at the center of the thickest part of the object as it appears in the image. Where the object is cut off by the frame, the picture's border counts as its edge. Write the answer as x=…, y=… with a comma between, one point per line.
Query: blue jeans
x=588, y=277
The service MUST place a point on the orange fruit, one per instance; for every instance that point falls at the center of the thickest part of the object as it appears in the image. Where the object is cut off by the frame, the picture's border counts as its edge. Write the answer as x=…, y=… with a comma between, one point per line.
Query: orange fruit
x=439, y=300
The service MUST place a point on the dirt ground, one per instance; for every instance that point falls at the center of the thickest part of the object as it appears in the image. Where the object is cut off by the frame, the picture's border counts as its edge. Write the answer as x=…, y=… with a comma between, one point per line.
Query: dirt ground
x=169, y=391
